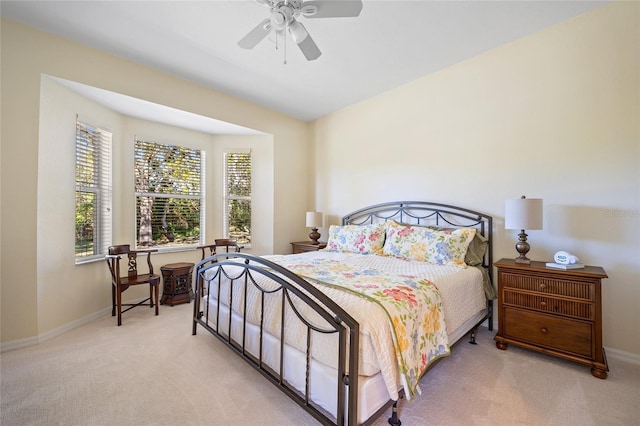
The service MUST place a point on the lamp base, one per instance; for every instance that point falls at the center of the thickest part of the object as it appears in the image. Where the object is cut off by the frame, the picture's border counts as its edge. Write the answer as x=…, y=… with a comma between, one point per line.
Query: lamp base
x=314, y=236
x=522, y=247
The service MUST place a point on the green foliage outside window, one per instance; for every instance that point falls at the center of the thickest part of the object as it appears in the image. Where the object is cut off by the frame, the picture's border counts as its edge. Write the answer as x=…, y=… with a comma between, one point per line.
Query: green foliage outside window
x=85, y=223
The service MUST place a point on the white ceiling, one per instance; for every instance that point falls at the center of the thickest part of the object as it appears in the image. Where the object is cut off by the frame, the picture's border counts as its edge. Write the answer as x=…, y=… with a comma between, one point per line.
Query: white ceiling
x=391, y=43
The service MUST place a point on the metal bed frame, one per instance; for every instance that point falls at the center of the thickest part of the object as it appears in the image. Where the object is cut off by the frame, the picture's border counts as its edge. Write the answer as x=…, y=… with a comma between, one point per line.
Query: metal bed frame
x=245, y=270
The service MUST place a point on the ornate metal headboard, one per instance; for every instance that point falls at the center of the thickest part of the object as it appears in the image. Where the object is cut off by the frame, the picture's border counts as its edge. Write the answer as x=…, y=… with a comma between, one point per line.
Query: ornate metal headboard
x=427, y=214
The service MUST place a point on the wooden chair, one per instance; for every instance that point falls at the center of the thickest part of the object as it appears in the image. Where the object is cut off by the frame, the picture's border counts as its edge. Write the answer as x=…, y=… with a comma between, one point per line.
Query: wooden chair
x=120, y=283
x=227, y=243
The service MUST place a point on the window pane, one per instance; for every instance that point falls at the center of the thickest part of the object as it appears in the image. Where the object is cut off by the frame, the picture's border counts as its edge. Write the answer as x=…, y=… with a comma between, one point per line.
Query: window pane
x=167, y=169
x=168, y=222
x=240, y=220
x=168, y=195
x=85, y=223
x=239, y=174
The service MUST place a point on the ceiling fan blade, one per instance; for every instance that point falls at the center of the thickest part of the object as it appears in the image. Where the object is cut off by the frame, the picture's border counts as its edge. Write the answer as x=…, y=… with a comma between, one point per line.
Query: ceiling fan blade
x=331, y=8
x=309, y=49
x=304, y=41
x=256, y=35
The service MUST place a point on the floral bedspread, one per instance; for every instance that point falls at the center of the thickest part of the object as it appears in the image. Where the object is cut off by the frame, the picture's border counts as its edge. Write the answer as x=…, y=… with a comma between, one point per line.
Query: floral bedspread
x=413, y=305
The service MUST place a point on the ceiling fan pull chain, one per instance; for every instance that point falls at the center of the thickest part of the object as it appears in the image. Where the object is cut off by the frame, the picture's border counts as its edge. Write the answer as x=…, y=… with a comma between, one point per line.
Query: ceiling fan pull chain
x=284, y=37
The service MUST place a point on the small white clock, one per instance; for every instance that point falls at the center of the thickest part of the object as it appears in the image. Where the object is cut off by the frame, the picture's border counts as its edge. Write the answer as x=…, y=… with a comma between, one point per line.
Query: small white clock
x=565, y=258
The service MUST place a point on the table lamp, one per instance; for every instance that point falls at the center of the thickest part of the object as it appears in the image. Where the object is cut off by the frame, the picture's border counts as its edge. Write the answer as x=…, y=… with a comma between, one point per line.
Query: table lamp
x=523, y=213
x=314, y=221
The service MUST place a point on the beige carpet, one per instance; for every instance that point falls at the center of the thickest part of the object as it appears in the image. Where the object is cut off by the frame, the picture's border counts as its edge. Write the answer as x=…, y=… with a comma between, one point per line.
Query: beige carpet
x=152, y=371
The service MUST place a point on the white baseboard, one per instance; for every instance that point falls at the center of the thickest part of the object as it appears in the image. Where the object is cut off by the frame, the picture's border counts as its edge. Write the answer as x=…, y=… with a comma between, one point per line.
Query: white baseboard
x=18, y=344
x=73, y=324
x=32, y=341
x=623, y=356
x=612, y=354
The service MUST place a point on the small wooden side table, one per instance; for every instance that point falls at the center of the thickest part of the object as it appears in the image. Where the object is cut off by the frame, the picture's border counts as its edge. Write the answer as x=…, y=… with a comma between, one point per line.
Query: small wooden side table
x=304, y=246
x=177, y=283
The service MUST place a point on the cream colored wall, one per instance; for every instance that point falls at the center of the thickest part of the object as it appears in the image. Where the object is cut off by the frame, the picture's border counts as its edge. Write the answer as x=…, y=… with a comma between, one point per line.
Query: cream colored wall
x=29, y=304
x=553, y=115
x=65, y=292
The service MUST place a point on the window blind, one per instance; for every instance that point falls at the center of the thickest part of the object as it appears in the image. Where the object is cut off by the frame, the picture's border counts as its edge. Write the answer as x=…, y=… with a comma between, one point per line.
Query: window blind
x=93, y=190
x=237, y=202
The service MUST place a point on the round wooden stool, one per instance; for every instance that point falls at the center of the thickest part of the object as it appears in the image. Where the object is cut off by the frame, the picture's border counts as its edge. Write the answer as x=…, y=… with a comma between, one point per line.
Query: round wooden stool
x=177, y=283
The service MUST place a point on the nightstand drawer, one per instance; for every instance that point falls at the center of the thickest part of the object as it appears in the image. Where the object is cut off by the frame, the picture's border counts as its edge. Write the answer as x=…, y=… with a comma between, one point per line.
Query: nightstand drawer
x=574, y=308
x=549, y=285
x=305, y=246
x=546, y=330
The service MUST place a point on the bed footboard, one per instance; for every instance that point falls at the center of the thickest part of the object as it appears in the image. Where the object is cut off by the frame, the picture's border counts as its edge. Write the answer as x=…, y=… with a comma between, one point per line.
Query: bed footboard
x=226, y=284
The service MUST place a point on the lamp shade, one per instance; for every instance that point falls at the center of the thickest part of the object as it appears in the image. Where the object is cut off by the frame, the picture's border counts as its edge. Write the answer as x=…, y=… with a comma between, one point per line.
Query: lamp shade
x=523, y=213
x=314, y=219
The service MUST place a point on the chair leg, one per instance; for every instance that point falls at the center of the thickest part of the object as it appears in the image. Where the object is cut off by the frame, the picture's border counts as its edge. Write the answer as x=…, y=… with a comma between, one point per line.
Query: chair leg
x=157, y=291
x=113, y=300
x=119, y=303
x=150, y=295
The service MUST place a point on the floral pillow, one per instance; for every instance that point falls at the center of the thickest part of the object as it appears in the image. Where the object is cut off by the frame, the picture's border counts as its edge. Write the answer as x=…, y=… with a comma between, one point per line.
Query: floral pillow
x=363, y=239
x=438, y=246
x=477, y=248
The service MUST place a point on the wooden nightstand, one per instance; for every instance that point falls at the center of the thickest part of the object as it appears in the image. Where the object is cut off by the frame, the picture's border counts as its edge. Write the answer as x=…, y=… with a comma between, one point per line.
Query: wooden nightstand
x=553, y=311
x=303, y=246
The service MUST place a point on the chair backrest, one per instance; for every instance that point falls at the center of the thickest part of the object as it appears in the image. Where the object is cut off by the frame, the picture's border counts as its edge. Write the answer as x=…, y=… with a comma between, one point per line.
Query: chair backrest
x=132, y=259
x=221, y=242
x=227, y=242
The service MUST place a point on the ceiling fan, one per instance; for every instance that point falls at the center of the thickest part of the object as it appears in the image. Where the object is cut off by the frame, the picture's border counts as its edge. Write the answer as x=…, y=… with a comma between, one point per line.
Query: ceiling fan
x=283, y=17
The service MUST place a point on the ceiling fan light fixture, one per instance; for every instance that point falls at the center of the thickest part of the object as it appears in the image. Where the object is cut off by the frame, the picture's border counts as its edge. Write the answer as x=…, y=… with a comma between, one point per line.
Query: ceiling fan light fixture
x=278, y=19
x=298, y=32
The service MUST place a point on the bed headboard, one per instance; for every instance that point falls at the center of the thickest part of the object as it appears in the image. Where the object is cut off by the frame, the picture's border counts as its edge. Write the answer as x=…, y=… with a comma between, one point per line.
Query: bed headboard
x=427, y=214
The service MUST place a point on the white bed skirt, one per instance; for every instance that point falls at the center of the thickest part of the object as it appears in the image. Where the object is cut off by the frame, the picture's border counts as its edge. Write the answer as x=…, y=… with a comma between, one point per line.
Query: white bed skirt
x=372, y=390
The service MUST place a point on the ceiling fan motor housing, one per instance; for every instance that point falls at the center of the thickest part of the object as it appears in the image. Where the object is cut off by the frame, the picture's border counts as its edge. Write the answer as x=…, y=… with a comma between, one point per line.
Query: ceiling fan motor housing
x=284, y=12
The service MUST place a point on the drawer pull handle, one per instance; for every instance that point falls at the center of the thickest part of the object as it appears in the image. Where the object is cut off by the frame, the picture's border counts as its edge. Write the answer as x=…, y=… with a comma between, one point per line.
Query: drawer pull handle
x=543, y=304
x=543, y=286
x=544, y=330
